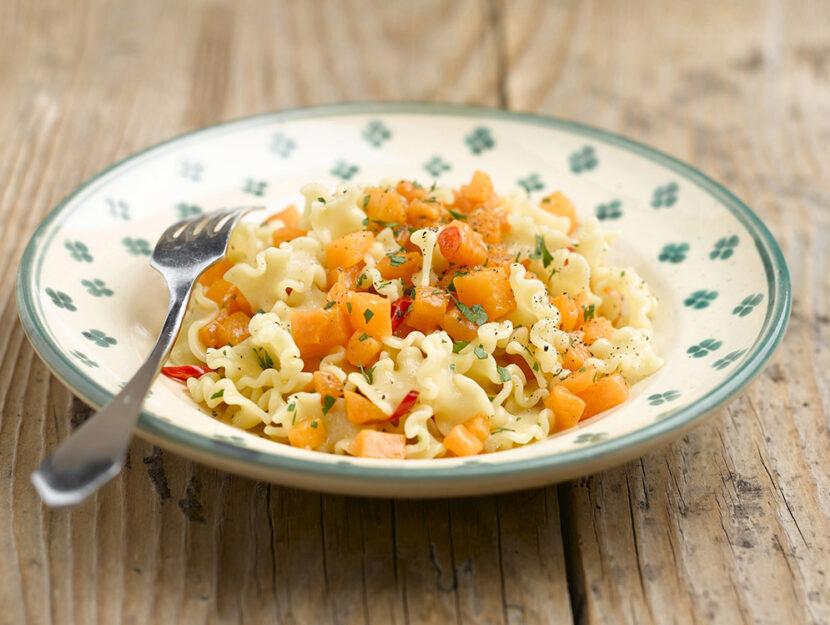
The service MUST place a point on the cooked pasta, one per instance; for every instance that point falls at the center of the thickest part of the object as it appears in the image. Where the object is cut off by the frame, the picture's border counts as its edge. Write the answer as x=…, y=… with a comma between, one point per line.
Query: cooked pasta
x=398, y=321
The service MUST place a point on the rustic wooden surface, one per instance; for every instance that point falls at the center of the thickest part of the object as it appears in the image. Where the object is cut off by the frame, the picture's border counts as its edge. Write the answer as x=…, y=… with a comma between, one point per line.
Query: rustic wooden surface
x=728, y=525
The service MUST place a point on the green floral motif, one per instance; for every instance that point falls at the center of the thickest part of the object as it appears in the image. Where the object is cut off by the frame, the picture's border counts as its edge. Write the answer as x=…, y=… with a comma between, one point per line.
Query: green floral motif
x=376, y=133
x=99, y=338
x=531, y=183
x=661, y=398
x=282, y=145
x=479, y=140
x=704, y=348
x=665, y=195
x=673, y=253
x=78, y=251
x=119, y=209
x=96, y=288
x=192, y=170
x=724, y=248
x=255, y=187
x=590, y=437
x=185, y=210
x=584, y=159
x=611, y=210
x=61, y=300
x=747, y=305
x=700, y=299
x=344, y=170
x=727, y=360
x=137, y=247
x=86, y=360
x=437, y=166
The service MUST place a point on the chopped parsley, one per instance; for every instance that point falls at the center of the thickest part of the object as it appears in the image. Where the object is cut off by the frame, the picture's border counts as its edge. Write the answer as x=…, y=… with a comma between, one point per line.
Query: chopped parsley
x=264, y=358
x=366, y=199
x=321, y=200
x=218, y=394
x=385, y=224
x=363, y=337
x=475, y=313
x=349, y=307
x=368, y=314
x=457, y=346
x=480, y=353
x=504, y=374
x=458, y=215
x=397, y=258
x=314, y=423
x=328, y=402
x=588, y=312
x=542, y=251
x=292, y=407
x=259, y=312
x=369, y=375
x=502, y=430
x=329, y=305
x=451, y=285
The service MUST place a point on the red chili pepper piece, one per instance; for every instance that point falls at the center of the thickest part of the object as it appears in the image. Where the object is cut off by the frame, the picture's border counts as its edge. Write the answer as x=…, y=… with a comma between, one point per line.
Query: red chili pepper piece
x=405, y=406
x=184, y=372
x=400, y=308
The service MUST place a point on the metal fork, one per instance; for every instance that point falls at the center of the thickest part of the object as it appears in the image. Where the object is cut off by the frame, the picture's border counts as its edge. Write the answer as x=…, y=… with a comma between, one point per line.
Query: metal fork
x=95, y=453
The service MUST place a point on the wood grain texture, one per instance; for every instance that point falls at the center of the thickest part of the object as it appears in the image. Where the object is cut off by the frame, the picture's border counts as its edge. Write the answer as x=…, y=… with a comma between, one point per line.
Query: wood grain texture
x=728, y=525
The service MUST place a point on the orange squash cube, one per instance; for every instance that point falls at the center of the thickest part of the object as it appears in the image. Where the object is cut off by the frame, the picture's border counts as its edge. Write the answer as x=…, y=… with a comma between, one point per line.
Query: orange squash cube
x=479, y=426
x=286, y=233
x=575, y=356
x=604, y=394
x=362, y=349
x=215, y=272
x=228, y=297
x=384, y=207
x=326, y=383
x=490, y=289
x=308, y=434
x=580, y=379
x=458, y=326
x=567, y=408
x=317, y=332
x=400, y=265
x=461, y=245
x=557, y=204
x=428, y=307
x=462, y=442
x=362, y=411
x=371, y=314
x=568, y=311
x=349, y=250
x=373, y=444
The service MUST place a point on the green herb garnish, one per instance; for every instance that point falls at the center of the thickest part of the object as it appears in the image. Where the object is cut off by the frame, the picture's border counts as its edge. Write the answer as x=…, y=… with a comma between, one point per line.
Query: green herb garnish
x=366, y=199
x=542, y=251
x=457, y=346
x=368, y=314
x=329, y=305
x=363, y=337
x=264, y=358
x=475, y=313
x=588, y=312
x=328, y=402
x=369, y=375
x=218, y=394
x=458, y=215
x=480, y=353
x=504, y=374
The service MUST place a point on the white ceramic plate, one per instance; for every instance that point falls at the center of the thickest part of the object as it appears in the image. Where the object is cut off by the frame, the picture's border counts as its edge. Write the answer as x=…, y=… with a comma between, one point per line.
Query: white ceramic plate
x=91, y=304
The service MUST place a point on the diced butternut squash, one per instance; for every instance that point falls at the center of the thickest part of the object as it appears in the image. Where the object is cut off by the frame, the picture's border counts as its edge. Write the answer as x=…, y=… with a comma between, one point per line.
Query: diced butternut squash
x=372, y=444
x=462, y=442
x=490, y=289
x=575, y=355
x=236, y=327
x=568, y=311
x=478, y=193
x=317, y=332
x=347, y=277
x=410, y=190
x=597, y=328
x=308, y=434
x=427, y=309
x=349, y=250
x=384, y=208
x=461, y=245
x=286, y=233
x=215, y=272
x=458, y=326
x=326, y=383
x=399, y=266
x=228, y=297
x=499, y=256
x=289, y=216
x=479, y=426
x=580, y=379
x=557, y=204
x=567, y=408
x=487, y=223
x=604, y=394
x=362, y=411
x=371, y=314
x=421, y=214
x=363, y=349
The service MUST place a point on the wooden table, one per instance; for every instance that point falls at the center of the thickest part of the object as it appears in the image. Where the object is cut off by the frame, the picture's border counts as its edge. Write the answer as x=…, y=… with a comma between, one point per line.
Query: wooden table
x=728, y=525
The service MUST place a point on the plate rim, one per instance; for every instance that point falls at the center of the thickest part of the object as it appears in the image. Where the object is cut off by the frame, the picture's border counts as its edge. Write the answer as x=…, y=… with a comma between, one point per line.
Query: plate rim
x=152, y=427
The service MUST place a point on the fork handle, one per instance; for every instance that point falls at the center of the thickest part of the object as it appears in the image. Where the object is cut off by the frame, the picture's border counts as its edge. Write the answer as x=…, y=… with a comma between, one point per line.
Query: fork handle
x=95, y=453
